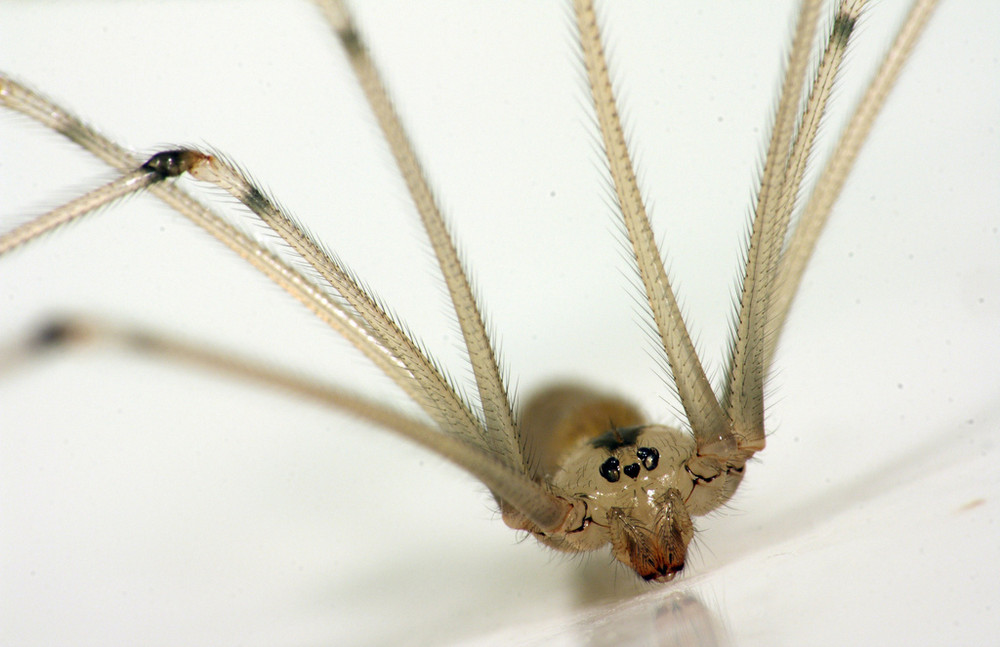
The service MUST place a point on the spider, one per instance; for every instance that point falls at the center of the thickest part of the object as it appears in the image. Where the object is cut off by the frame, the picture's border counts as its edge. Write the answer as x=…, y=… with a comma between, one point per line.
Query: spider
x=624, y=441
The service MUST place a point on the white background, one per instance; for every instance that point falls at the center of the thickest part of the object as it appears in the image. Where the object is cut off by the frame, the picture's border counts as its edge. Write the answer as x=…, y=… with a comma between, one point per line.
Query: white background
x=143, y=503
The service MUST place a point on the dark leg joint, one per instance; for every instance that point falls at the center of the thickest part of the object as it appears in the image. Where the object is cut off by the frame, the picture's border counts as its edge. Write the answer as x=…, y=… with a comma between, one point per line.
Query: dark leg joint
x=59, y=332
x=173, y=163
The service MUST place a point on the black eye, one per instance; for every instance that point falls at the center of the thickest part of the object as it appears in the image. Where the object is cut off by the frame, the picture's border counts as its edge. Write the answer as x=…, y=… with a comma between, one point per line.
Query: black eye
x=649, y=456
x=610, y=470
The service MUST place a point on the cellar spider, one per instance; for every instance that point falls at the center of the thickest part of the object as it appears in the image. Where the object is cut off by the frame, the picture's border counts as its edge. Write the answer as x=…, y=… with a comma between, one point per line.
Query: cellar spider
x=612, y=371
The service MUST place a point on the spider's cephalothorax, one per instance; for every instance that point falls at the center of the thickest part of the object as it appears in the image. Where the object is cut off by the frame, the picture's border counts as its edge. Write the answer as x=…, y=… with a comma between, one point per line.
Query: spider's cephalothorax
x=639, y=484
x=577, y=469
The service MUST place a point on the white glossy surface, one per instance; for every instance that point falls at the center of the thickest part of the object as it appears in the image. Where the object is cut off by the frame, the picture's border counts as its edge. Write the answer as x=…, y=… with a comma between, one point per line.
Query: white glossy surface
x=144, y=504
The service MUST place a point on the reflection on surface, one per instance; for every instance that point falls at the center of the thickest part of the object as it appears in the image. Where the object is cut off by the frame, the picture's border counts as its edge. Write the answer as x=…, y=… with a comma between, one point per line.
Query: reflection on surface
x=660, y=618
x=679, y=619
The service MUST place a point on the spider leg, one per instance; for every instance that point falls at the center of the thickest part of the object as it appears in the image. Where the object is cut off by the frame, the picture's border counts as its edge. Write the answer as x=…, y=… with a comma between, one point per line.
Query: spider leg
x=18, y=97
x=774, y=268
x=744, y=397
x=529, y=497
x=704, y=413
x=802, y=242
x=360, y=325
x=503, y=434
x=367, y=327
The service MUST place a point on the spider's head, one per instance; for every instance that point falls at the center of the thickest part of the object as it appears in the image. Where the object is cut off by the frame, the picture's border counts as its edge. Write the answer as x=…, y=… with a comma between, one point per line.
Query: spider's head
x=635, y=487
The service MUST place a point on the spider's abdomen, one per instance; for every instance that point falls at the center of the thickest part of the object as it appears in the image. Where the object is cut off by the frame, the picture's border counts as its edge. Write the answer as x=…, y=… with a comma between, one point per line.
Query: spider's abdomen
x=558, y=417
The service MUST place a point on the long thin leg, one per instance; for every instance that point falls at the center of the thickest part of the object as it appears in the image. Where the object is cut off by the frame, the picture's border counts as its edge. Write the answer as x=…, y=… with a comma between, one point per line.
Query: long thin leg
x=437, y=395
x=707, y=419
x=808, y=127
x=132, y=182
x=815, y=109
x=745, y=384
x=814, y=216
x=18, y=97
x=767, y=290
x=398, y=357
x=502, y=430
x=529, y=497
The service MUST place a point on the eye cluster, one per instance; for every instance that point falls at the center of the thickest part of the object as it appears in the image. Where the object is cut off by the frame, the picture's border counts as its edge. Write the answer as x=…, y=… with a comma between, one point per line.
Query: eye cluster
x=611, y=469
